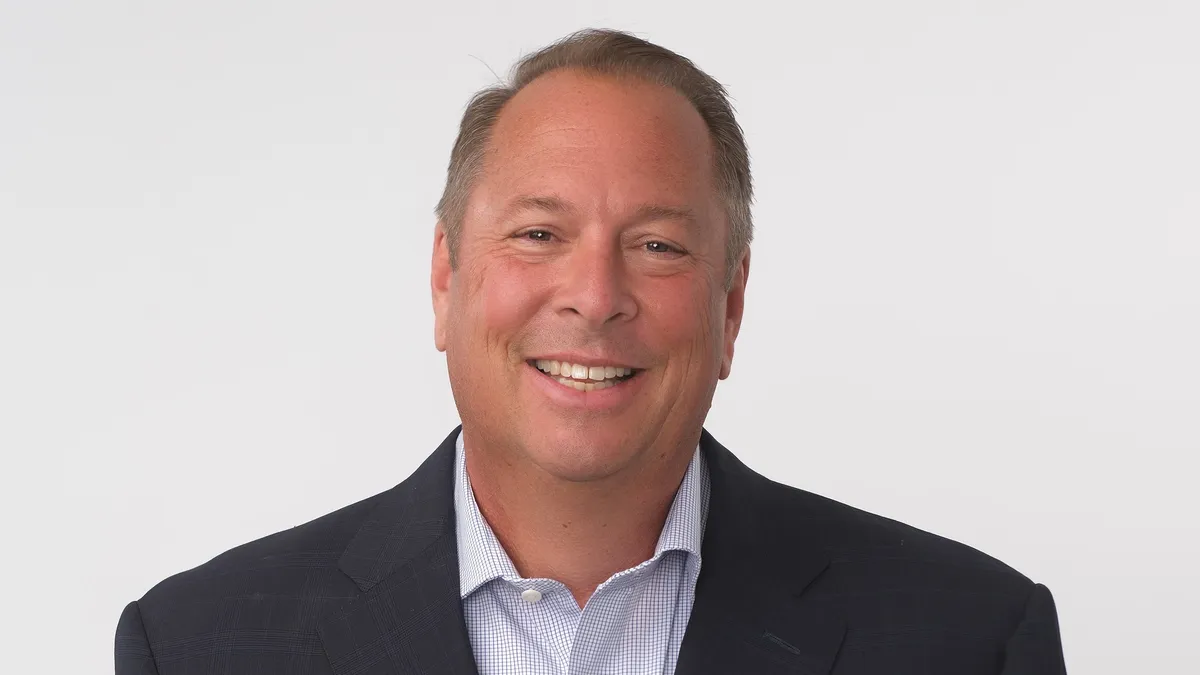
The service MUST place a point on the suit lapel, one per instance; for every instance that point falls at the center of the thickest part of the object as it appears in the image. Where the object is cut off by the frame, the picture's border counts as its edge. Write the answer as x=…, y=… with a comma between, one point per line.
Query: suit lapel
x=751, y=614
x=404, y=559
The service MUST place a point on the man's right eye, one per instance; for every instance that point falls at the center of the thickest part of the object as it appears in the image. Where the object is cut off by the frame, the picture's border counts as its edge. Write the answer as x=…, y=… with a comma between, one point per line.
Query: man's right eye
x=538, y=235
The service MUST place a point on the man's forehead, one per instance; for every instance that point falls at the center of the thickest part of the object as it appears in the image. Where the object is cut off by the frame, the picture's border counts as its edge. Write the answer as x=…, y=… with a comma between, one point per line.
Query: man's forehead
x=567, y=107
x=564, y=91
x=642, y=141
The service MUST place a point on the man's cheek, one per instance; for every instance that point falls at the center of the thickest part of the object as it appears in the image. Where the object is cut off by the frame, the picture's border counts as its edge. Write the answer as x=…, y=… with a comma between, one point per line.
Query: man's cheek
x=509, y=299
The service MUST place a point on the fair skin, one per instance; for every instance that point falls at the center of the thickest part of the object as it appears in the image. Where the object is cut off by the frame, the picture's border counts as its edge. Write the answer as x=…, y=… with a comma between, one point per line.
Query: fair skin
x=593, y=236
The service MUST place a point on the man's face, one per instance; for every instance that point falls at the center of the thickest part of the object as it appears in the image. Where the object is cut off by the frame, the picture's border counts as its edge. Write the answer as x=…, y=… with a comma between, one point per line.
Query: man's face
x=594, y=237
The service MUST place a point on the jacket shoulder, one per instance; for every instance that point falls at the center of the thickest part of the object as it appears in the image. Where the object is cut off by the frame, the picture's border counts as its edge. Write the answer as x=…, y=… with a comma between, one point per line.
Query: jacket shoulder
x=262, y=600
x=299, y=554
x=855, y=537
x=258, y=607
x=899, y=587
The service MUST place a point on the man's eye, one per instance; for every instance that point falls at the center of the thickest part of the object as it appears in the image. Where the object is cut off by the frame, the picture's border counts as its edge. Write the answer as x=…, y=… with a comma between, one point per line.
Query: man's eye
x=659, y=247
x=538, y=235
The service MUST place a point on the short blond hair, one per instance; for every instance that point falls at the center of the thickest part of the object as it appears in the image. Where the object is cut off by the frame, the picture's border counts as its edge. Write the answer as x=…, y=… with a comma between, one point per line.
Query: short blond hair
x=609, y=52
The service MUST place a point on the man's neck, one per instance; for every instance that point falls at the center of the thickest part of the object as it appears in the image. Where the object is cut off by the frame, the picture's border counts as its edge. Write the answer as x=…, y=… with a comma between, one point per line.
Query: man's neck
x=579, y=534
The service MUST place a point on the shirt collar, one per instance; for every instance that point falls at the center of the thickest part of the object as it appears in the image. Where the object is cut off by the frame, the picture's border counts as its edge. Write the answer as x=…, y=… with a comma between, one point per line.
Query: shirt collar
x=481, y=557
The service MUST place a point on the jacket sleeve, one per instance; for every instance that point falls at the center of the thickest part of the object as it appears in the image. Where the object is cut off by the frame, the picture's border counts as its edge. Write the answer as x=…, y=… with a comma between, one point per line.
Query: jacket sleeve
x=133, y=654
x=1035, y=647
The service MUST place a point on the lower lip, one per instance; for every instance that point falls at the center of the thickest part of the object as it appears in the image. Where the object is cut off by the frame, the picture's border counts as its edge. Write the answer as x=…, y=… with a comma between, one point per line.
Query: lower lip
x=608, y=398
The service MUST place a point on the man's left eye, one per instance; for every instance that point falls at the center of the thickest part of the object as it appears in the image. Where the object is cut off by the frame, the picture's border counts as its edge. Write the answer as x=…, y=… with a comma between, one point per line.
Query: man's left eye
x=659, y=247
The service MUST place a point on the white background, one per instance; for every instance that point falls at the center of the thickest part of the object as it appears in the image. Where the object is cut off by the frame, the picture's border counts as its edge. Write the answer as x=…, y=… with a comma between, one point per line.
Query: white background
x=973, y=303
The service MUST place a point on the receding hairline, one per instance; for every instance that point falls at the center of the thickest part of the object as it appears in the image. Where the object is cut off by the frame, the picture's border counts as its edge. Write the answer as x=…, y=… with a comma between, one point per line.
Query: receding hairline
x=504, y=116
x=553, y=203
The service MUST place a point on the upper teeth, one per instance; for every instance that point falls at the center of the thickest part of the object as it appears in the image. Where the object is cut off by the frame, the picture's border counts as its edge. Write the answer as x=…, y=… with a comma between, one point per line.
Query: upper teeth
x=579, y=372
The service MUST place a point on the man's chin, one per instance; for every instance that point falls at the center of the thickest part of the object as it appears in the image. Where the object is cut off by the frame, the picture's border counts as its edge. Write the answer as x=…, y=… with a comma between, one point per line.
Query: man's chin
x=582, y=458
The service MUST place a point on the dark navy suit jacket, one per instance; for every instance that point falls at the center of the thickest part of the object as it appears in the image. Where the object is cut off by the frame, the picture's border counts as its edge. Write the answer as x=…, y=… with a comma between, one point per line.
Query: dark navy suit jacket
x=790, y=583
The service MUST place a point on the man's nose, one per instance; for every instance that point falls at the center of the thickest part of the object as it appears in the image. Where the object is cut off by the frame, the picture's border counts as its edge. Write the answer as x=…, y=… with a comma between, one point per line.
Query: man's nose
x=595, y=285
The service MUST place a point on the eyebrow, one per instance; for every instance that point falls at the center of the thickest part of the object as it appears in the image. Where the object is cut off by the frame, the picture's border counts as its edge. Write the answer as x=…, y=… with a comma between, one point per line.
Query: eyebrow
x=554, y=205
x=545, y=203
x=659, y=212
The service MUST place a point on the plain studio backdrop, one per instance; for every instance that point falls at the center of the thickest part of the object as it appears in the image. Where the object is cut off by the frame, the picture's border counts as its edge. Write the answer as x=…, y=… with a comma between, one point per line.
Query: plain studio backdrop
x=973, y=304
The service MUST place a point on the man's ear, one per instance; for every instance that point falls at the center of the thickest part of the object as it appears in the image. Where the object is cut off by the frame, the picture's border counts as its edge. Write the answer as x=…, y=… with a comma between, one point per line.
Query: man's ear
x=735, y=304
x=440, y=277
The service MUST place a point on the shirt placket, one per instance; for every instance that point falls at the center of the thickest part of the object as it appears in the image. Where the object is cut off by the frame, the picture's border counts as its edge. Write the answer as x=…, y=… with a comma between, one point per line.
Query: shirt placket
x=599, y=643
x=550, y=620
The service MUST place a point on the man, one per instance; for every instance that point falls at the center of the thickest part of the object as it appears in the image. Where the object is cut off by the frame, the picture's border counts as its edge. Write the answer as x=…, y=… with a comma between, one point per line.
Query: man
x=589, y=269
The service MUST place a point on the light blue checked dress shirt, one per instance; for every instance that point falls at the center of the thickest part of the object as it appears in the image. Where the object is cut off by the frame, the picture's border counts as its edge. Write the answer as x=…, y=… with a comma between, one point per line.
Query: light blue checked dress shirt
x=633, y=624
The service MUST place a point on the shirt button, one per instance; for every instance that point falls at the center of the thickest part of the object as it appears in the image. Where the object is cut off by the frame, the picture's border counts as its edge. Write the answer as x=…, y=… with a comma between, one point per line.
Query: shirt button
x=530, y=595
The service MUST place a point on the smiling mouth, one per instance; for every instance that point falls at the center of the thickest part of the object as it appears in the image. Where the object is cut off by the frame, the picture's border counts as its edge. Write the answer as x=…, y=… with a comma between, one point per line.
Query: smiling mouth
x=584, y=378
